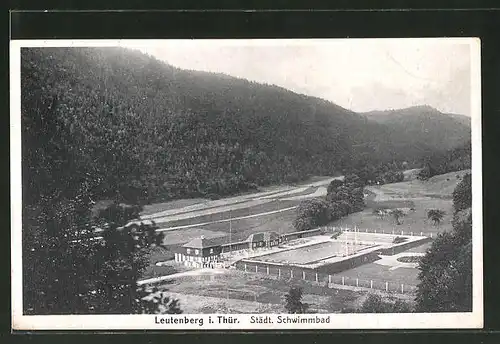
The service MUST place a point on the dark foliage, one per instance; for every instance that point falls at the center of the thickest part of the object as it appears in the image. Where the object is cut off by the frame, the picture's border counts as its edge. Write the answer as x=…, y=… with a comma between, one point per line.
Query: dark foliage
x=399, y=240
x=462, y=195
x=446, y=269
x=374, y=303
x=66, y=272
x=311, y=214
x=452, y=160
x=436, y=215
x=293, y=301
x=343, y=198
x=148, y=131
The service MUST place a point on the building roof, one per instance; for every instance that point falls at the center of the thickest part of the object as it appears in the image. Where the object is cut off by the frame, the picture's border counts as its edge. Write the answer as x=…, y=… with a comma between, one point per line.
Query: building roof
x=263, y=236
x=202, y=242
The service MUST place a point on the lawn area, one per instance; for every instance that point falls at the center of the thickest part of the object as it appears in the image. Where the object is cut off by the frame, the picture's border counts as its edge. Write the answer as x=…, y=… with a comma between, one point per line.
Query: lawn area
x=434, y=193
x=380, y=273
x=268, y=293
x=415, y=222
x=420, y=249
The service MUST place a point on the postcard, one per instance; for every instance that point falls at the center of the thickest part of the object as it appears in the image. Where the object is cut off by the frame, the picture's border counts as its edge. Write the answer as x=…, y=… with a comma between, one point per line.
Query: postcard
x=246, y=184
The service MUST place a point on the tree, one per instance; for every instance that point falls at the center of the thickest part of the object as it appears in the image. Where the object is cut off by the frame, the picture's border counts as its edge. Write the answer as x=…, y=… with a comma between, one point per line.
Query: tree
x=334, y=184
x=376, y=304
x=446, y=269
x=445, y=276
x=158, y=302
x=312, y=213
x=397, y=214
x=462, y=195
x=68, y=273
x=436, y=215
x=293, y=301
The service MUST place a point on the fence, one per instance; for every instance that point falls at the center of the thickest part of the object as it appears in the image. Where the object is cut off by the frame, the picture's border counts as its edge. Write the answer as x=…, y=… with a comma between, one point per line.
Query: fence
x=331, y=229
x=329, y=280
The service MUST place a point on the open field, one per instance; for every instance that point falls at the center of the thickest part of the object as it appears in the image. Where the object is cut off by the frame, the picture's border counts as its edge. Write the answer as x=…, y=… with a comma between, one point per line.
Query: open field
x=380, y=273
x=435, y=193
x=256, y=293
x=440, y=186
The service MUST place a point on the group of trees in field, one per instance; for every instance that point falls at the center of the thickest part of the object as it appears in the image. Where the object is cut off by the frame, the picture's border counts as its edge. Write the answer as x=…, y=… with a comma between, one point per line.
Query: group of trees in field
x=343, y=198
x=452, y=160
x=382, y=173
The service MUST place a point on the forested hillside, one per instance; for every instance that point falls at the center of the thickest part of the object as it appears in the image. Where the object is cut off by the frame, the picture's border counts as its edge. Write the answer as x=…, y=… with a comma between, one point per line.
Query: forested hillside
x=424, y=122
x=455, y=159
x=116, y=123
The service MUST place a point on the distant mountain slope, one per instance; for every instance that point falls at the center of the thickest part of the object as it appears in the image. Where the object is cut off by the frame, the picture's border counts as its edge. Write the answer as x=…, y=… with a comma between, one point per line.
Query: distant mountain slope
x=133, y=127
x=425, y=123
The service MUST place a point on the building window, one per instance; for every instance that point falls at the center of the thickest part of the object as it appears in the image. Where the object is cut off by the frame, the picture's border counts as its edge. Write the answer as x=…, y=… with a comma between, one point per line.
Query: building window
x=196, y=252
x=188, y=251
x=211, y=251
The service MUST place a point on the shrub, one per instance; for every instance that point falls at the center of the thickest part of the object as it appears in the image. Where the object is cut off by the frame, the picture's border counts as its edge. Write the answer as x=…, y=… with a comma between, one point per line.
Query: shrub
x=336, y=234
x=399, y=240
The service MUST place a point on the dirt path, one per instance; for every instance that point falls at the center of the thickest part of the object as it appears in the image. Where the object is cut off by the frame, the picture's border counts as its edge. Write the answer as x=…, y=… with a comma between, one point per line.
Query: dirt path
x=191, y=273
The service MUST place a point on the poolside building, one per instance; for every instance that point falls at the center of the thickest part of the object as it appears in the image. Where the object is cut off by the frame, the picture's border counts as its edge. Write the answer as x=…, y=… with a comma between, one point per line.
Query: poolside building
x=264, y=239
x=200, y=252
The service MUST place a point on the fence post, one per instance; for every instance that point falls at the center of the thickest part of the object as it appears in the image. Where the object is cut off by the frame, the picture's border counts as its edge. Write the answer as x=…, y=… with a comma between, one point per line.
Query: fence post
x=256, y=268
x=316, y=277
x=371, y=284
x=357, y=282
x=329, y=279
x=303, y=275
x=402, y=289
x=343, y=282
x=245, y=268
x=267, y=270
x=386, y=286
x=279, y=272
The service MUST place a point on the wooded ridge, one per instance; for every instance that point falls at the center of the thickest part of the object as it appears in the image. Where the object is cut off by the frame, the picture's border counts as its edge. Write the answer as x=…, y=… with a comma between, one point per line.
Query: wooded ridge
x=128, y=126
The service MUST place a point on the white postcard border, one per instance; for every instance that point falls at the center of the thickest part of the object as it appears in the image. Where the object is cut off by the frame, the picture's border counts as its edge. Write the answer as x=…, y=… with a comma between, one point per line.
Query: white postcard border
x=473, y=319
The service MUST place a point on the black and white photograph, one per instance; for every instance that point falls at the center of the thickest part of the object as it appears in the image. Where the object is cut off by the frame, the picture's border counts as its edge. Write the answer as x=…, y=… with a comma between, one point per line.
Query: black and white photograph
x=246, y=184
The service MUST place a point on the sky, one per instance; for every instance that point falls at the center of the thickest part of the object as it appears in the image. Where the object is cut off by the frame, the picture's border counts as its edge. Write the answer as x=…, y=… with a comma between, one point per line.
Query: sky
x=358, y=74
